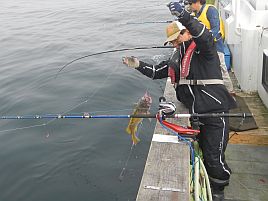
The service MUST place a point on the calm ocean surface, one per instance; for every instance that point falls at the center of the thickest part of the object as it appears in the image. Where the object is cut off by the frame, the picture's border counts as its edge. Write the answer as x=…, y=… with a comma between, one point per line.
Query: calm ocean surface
x=64, y=160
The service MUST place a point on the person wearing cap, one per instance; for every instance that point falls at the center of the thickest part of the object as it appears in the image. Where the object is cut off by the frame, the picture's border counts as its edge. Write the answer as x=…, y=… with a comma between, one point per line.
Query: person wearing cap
x=209, y=16
x=194, y=69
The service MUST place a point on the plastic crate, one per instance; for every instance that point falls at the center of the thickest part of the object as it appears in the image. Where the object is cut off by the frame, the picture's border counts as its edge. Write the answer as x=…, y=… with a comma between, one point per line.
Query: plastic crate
x=227, y=57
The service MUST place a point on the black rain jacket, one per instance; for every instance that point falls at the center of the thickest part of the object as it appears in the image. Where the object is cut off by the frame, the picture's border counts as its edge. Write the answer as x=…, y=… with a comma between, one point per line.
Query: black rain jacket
x=204, y=65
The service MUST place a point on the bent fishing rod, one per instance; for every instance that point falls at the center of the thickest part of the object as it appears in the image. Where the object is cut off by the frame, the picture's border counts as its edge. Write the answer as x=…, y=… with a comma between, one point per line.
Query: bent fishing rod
x=149, y=22
x=88, y=116
x=110, y=51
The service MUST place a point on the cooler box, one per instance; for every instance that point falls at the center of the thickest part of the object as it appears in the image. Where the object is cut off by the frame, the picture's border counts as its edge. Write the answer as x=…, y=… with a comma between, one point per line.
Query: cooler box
x=227, y=57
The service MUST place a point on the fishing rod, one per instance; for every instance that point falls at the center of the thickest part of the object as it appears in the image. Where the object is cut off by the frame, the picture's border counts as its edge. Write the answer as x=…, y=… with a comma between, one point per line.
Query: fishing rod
x=88, y=116
x=149, y=22
x=110, y=51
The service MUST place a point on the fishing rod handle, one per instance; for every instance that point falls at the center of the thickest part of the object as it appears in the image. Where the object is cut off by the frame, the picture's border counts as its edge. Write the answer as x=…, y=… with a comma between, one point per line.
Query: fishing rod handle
x=208, y=115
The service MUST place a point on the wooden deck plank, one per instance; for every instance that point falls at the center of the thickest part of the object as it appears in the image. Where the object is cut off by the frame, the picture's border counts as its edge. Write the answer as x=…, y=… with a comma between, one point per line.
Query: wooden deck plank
x=251, y=137
x=256, y=136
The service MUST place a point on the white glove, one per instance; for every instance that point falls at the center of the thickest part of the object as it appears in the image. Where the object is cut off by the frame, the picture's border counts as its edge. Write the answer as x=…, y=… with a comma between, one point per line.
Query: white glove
x=131, y=62
x=168, y=108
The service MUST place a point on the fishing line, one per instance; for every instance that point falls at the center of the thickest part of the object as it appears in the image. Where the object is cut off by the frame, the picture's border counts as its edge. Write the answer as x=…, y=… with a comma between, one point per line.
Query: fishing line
x=123, y=171
x=74, y=107
x=69, y=110
x=148, y=22
x=109, y=51
x=108, y=76
x=96, y=89
x=65, y=112
x=22, y=128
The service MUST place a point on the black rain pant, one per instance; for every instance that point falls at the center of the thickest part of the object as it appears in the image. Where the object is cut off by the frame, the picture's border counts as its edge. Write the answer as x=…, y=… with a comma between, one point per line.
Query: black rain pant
x=213, y=139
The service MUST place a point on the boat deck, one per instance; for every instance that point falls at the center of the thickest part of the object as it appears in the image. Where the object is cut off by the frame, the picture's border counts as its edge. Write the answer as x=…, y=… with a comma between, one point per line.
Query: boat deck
x=246, y=154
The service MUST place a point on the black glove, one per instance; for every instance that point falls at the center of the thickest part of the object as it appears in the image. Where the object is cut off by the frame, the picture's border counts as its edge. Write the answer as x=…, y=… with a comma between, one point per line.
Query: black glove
x=177, y=8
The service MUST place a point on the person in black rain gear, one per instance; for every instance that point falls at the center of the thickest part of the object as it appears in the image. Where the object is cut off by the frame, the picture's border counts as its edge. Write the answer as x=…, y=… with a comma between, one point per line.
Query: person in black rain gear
x=194, y=69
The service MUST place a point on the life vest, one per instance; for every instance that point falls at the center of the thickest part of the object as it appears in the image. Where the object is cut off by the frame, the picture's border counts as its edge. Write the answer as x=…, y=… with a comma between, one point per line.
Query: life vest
x=180, y=63
x=203, y=18
x=179, y=68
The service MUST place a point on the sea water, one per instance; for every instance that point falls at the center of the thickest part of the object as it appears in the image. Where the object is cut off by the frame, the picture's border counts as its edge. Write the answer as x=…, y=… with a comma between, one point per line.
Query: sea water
x=64, y=160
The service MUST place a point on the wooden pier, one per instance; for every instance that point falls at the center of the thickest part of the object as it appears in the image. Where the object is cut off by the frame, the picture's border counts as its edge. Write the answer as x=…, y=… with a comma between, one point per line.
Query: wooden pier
x=167, y=170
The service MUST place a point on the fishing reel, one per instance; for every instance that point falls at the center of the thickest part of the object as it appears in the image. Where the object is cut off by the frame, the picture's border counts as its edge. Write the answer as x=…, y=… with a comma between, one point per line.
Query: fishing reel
x=166, y=108
x=195, y=123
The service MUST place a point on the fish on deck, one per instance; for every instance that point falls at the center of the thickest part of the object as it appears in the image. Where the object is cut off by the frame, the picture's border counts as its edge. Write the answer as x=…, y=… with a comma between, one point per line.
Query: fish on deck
x=143, y=107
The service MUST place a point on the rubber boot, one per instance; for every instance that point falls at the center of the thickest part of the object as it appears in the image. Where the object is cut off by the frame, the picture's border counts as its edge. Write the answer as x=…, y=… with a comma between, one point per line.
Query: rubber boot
x=218, y=196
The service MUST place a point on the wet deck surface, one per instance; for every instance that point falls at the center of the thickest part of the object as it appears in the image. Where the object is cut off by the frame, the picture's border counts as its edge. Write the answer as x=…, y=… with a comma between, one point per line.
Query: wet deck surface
x=247, y=155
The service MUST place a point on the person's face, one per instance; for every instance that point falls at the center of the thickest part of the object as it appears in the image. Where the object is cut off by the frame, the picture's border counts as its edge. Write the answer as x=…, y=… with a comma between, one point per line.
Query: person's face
x=175, y=43
x=184, y=36
x=195, y=6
